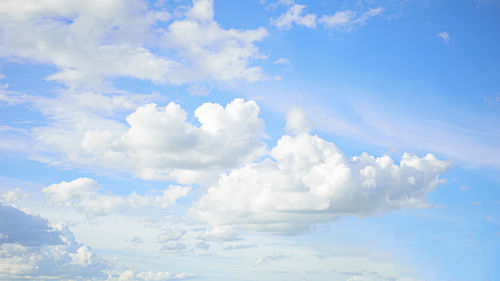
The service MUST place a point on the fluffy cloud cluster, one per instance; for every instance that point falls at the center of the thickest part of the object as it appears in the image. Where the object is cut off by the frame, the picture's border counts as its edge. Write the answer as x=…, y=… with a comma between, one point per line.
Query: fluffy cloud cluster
x=89, y=41
x=308, y=180
x=342, y=20
x=84, y=193
x=163, y=144
x=213, y=52
x=159, y=142
x=31, y=248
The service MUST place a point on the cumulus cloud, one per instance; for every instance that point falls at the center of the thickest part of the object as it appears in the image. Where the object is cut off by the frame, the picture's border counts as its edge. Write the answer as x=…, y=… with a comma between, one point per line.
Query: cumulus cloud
x=31, y=248
x=89, y=41
x=213, y=52
x=85, y=194
x=159, y=142
x=164, y=144
x=341, y=18
x=307, y=180
x=295, y=16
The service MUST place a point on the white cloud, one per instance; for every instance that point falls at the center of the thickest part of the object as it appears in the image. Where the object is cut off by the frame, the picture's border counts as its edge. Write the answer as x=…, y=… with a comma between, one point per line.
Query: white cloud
x=160, y=143
x=308, y=180
x=271, y=258
x=89, y=41
x=369, y=14
x=296, y=122
x=341, y=18
x=12, y=97
x=34, y=249
x=210, y=52
x=347, y=20
x=11, y=196
x=84, y=193
x=163, y=144
x=282, y=61
x=294, y=15
x=444, y=36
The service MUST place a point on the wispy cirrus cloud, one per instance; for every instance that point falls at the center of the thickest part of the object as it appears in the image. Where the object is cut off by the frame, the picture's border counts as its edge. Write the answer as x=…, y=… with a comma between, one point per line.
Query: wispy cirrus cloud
x=345, y=20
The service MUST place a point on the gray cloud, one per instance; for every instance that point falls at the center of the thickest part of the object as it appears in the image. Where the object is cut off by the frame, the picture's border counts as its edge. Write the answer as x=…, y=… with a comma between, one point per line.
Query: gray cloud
x=27, y=230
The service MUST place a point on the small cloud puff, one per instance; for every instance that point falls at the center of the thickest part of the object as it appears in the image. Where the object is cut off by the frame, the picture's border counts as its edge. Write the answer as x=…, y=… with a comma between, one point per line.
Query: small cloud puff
x=444, y=36
x=84, y=193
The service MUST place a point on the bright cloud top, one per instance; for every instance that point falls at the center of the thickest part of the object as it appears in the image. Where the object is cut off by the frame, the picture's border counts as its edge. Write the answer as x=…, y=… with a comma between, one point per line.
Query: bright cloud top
x=124, y=32
x=307, y=180
x=161, y=144
x=156, y=143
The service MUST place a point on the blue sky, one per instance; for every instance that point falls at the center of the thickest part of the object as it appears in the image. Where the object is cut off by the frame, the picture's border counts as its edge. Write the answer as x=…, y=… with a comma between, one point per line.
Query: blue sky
x=249, y=140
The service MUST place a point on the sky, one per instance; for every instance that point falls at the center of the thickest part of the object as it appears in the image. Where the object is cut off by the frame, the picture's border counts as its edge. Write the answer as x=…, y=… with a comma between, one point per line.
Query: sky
x=250, y=140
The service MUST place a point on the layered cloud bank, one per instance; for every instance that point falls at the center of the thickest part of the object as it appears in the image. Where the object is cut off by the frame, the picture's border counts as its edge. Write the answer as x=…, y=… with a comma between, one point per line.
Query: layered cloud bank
x=302, y=181
x=31, y=248
x=307, y=180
